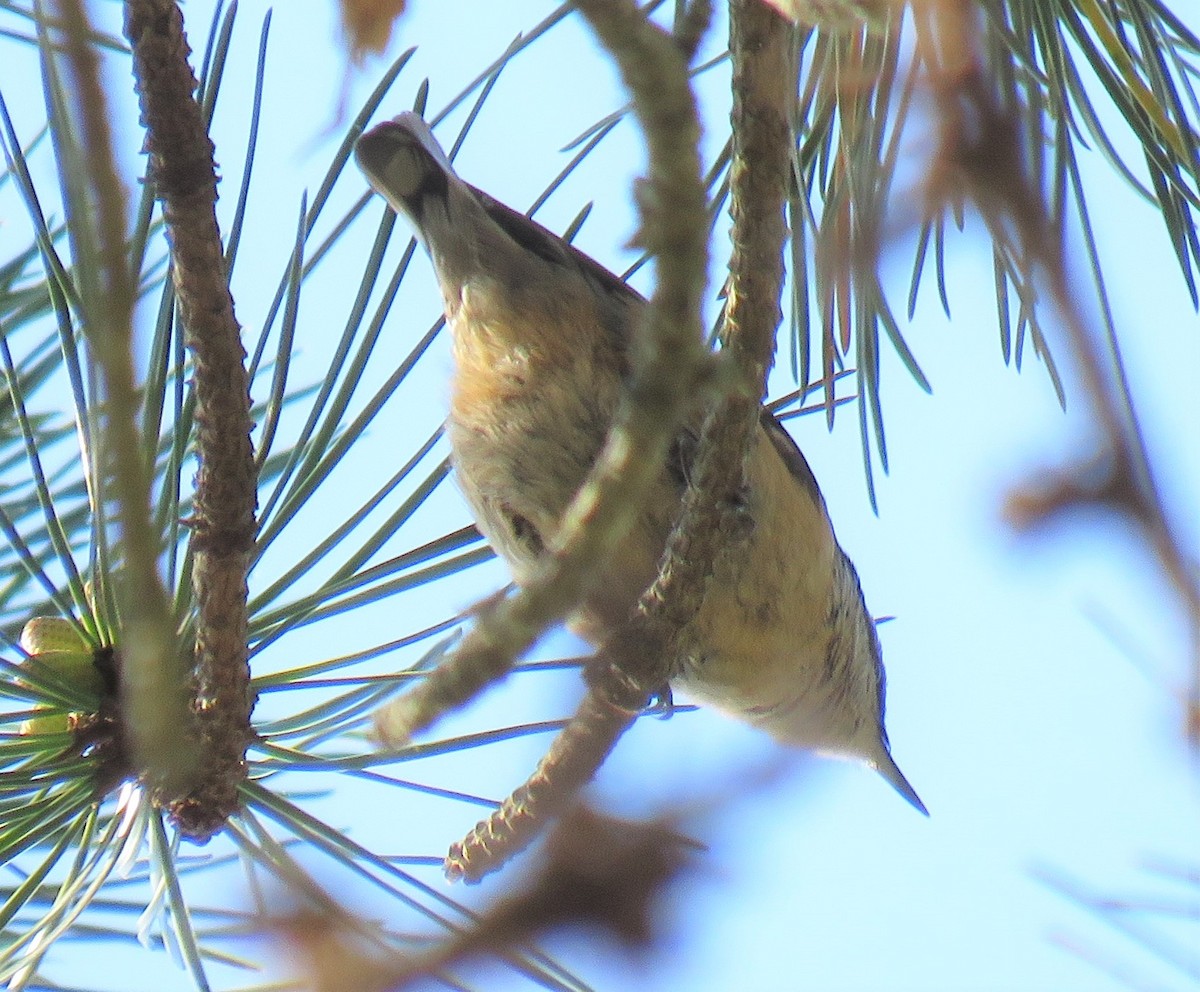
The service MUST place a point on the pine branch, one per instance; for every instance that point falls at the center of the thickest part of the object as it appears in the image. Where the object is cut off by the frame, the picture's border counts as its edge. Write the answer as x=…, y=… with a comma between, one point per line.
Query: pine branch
x=184, y=174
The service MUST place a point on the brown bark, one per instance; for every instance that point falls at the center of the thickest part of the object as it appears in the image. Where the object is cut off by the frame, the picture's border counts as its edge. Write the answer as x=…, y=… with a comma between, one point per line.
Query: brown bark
x=184, y=175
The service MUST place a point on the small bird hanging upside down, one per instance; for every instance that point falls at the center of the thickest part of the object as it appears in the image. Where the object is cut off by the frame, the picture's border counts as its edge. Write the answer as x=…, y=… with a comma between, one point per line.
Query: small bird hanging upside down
x=541, y=338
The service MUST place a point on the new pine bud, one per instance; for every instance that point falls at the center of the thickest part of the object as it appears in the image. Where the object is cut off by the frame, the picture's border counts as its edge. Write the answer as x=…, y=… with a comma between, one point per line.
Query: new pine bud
x=54, y=642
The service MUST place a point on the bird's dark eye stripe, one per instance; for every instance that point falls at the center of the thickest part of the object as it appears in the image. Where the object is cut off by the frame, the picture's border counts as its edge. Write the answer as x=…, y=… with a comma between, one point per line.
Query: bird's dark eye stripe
x=434, y=183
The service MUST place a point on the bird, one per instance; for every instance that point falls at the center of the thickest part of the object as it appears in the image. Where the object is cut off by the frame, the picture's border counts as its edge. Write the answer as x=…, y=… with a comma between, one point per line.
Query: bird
x=541, y=337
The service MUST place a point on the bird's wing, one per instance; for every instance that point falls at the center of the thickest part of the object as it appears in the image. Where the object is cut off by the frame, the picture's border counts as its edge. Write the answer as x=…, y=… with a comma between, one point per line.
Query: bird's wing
x=531, y=236
x=792, y=456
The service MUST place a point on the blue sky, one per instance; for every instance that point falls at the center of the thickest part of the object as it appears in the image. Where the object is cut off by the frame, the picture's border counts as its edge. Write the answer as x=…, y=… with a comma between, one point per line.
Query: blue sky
x=1038, y=744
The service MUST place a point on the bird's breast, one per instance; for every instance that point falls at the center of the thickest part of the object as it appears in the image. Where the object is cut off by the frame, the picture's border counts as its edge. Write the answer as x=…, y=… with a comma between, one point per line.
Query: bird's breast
x=533, y=395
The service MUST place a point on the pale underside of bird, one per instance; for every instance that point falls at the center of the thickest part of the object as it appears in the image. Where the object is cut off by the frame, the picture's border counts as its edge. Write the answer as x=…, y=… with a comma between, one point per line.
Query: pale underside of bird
x=541, y=340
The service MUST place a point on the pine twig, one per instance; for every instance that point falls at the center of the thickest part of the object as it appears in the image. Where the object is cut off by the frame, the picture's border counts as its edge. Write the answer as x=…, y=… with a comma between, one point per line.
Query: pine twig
x=574, y=756
x=710, y=524
x=184, y=174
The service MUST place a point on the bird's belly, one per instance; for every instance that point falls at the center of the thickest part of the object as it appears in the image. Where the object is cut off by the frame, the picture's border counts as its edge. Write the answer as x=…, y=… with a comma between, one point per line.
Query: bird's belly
x=758, y=646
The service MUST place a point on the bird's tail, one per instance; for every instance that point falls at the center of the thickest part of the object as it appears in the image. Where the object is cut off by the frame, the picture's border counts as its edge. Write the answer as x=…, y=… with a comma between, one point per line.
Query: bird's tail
x=891, y=771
